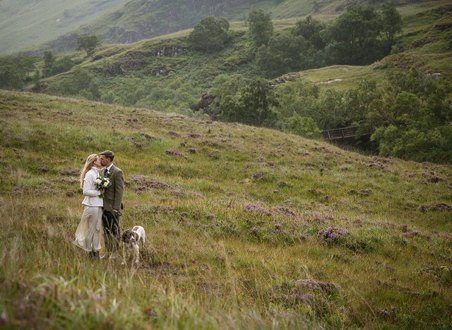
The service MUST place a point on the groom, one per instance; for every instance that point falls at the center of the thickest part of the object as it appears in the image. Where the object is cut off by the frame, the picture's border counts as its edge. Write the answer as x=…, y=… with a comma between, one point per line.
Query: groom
x=112, y=204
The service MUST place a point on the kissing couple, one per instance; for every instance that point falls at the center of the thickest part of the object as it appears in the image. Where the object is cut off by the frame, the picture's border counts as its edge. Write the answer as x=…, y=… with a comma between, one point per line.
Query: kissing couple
x=103, y=189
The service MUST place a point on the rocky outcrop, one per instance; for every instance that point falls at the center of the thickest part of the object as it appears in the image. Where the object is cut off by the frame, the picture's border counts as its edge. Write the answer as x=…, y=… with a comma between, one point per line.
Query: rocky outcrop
x=171, y=50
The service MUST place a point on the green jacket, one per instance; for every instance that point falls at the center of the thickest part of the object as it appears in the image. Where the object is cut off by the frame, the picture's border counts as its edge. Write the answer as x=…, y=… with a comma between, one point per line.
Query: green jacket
x=113, y=194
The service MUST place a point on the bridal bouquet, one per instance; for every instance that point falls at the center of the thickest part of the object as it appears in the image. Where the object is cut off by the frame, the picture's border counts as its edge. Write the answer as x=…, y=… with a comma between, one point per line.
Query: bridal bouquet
x=102, y=182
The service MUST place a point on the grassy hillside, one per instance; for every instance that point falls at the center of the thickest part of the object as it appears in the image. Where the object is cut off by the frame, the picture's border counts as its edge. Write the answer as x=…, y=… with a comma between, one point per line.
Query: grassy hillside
x=27, y=23
x=253, y=228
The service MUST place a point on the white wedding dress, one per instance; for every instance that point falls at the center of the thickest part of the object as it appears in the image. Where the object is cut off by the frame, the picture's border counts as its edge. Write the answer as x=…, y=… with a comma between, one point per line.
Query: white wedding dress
x=87, y=235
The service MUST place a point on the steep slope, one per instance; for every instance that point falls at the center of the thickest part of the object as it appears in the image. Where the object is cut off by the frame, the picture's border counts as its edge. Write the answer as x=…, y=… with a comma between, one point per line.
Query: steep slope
x=27, y=23
x=164, y=74
x=246, y=227
x=143, y=19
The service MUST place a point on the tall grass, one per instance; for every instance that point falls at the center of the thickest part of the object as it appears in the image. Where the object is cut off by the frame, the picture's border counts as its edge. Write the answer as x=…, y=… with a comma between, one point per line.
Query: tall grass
x=234, y=238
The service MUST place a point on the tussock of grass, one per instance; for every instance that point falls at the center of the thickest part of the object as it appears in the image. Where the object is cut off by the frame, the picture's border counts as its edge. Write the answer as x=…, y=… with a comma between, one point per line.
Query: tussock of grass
x=236, y=230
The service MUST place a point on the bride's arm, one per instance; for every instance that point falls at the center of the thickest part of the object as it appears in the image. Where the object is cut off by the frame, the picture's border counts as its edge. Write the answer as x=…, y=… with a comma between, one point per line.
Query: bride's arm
x=88, y=185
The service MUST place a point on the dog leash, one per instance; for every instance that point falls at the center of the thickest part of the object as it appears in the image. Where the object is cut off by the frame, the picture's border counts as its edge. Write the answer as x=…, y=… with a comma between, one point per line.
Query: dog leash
x=116, y=216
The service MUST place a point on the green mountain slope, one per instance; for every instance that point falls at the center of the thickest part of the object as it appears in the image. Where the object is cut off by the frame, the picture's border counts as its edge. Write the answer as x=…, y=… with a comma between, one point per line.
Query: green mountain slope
x=27, y=23
x=154, y=70
x=168, y=75
x=143, y=19
x=246, y=227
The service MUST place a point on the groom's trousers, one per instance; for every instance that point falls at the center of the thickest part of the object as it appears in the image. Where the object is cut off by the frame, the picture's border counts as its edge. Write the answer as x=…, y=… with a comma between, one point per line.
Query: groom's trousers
x=112, y=232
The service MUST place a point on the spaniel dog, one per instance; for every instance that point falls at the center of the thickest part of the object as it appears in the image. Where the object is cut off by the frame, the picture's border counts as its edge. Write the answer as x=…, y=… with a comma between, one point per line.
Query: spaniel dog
x=130, y=239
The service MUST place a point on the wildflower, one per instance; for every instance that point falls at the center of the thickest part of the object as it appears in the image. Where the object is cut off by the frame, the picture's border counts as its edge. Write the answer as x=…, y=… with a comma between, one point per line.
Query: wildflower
x=332, y=233
x=254, y=230
x=151, y=313
x=383, y=313
x=255, y=208
x=175, y=152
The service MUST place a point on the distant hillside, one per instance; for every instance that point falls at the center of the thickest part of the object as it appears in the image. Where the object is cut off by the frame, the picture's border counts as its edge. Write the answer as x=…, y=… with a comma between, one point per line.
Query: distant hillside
x=143, y=19
x=26, y=23
x=168, y=75
x=167, y=63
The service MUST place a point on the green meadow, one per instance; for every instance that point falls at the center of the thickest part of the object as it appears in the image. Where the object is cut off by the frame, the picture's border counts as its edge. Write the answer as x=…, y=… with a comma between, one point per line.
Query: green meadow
x=246, y=227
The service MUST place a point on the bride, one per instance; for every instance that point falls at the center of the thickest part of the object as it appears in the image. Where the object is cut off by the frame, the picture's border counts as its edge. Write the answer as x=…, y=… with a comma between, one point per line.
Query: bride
x=88, y=231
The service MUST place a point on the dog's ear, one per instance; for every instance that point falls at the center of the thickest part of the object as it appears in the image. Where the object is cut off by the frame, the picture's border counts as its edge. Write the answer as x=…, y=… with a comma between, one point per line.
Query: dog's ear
x=125, y=236
x=135, y=236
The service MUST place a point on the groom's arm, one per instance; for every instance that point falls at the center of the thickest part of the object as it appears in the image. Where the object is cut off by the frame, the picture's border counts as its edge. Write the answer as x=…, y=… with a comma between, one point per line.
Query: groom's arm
x=119, y=190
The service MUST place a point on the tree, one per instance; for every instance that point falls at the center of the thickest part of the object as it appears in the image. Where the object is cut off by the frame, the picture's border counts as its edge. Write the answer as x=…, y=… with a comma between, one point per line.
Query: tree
x=252, y=106
x=260, y=27
x=354, y=36
x=392, y=22
x=49, y=61
x=210, y=34
x=297, y=97
x=36, y=83
x=310, y=29
x=331, y=111
x=88, y=44
x=412, y=120
x=284, y=53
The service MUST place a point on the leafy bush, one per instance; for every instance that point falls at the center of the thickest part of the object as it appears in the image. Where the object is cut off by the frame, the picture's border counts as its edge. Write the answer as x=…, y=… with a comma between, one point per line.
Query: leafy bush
x=82, y=83
x=53, y=66
x=304, y=126
x=62, y=65
x=15, y=71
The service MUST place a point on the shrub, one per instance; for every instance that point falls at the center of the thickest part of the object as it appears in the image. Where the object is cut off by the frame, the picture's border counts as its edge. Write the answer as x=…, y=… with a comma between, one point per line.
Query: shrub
x=15, y=71
x=304, y=126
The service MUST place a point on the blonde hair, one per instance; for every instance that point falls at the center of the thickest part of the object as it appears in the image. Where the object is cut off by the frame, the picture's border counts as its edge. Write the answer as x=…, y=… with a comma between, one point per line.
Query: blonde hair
x=88, y=165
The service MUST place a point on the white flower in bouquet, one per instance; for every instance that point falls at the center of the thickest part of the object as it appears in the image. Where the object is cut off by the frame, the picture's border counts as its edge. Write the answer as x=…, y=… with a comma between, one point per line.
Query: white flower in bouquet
x=102, y=183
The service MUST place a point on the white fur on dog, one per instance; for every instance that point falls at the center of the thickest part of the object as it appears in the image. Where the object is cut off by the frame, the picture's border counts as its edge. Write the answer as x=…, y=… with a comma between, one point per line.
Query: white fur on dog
x=131, y=238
